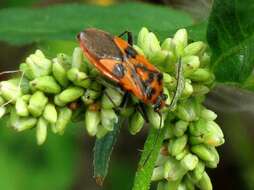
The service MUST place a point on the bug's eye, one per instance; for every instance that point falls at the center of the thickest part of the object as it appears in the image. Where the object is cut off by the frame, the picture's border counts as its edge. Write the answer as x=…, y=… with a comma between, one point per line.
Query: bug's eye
x=78, y=36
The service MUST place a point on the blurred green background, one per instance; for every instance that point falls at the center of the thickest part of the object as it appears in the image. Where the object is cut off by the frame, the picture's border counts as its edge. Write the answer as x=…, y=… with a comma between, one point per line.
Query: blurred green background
x=65, y=162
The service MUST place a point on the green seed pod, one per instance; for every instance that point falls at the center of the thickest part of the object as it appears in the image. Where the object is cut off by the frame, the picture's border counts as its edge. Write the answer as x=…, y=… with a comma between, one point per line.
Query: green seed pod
x=102, y=131
x=70, y=94
x=155, y=119
x=205, y=183
x=205, y=60
x=180, y=128
x=177, y=145
x=190, y=64
x=108, y=118
x=195, y=48
x=173, y=170
x=189, y=162
x=21, y=107
x=60, y=74
x=77, y=58
x=188, y=89
x=22, y=124
x=172, y=185
x=151, y=45
x=169, y=81
x=208, y=114
x=46, y=84
x=158, y=173
x=92, y=120
x=201, y=75
x=127, y=111
x=213, y=164
x=26, y=97
x=168, y=44
x=204, y=152
x=136, y=123
x=196, y=140
x=50, y=113
x=182, y=154
x=180, y=40
x=64, y=117
x=58, y=102
x=41, y=131
x=2, y=111
x=115, y=96
x=78, y=78
x=200, y=89
x=64, y=60
x=198, y=172
x=9, y=91
x=37, y=103
x=90, y=96
x=170, y=130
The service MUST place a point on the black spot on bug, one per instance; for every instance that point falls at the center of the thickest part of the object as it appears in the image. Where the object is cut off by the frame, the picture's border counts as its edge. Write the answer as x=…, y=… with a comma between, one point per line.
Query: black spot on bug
x=149, y=92
x=130, y=52
x=119, y=70
x=150, y=78
x=141, y=66
x=159, y=78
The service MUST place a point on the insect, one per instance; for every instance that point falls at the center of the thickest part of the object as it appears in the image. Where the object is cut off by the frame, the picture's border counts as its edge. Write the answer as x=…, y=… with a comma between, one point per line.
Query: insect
x=116, y=59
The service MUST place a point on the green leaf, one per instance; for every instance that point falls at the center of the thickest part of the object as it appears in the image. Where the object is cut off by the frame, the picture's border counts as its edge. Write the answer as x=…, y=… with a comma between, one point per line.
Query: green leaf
x=63, y=22
x=102, y=152
x=144, y=173
x=231, y=38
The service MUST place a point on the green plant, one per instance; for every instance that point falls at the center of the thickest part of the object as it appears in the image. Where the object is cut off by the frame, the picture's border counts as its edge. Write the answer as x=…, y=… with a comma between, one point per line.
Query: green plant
x=186, y=143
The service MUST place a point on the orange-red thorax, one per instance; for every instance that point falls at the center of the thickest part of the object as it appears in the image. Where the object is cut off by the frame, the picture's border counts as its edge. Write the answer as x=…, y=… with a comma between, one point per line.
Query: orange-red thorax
x=118, y=61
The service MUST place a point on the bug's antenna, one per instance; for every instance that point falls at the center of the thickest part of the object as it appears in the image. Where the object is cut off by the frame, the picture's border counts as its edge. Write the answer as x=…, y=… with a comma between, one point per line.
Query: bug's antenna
x=19, y=85
x=179, y=84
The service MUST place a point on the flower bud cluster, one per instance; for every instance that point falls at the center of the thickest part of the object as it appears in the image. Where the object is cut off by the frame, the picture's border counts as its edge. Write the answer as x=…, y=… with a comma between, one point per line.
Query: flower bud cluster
x=192, y=134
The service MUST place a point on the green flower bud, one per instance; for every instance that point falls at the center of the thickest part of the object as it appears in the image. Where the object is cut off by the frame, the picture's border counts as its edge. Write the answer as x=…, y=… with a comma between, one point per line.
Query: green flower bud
x=172, y=185
x=58, y=102
x=41, y=131
x=189, y=162
x=168, y=44
x=64, y=117
x=180, y=40
x=138, y=49
x=141, y=37
x=9, y=91
x=108, y=118
x=208, y=114
x=2, y=111
x=182, y=154
x=21, y=107
x=27, y=71
x=201, y=75
x=188, y=89
x=190, y=64
x=64, y=60
x=161, y=159
x=198, y=172
x=188, y=183
x=177, y=145
x=127, y=111
x=186, y=111
x=170, y=62
x=24, y=123
x=170, y=130
x=213, y=164
x=194, y=140
x=205, y=183
x=60, y=73
x=102, y=131
x=114, y=100
x=205, y=60
x=90, y=96
x=169, y=81
x=26, y=97
x=155, y=119
x=173, y=170
x=92, y=120
x=46, y=84
x=181, y=186
x=158, y=173
x=158, y=57
x=199, y=89
x=50, y=113
x=37, y=103
x=204, y=152
x=180, y=128
x=77, y=58
x=70, y=94
x=136, y=123
x=161, y=186
x=2, y=101
x=151, y=45
x=195, y=48
x=78, y=78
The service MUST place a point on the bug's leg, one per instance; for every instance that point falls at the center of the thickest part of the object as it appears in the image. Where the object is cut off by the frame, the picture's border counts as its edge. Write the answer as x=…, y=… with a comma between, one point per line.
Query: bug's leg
x=126, y=98
x=141, y=108
x=129, y=37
